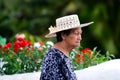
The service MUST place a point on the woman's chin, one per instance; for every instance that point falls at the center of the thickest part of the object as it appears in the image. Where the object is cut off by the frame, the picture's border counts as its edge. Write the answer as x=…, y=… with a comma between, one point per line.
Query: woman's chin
x=77, y=45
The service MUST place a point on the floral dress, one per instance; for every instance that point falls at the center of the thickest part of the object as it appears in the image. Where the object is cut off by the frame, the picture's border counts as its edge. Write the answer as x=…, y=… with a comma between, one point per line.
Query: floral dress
x=56, y=66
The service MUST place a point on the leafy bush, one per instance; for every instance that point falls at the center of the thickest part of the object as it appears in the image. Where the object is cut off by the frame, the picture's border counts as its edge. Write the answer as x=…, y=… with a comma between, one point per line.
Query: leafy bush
x=23, y=56
x=87, y=57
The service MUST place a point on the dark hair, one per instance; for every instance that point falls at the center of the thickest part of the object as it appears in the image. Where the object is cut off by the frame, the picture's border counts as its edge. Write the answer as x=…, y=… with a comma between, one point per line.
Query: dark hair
x=59, y=34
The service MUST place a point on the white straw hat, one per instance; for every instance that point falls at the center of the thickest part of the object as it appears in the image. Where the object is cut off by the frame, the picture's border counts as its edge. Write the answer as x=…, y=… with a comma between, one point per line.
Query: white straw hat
x=65, y=23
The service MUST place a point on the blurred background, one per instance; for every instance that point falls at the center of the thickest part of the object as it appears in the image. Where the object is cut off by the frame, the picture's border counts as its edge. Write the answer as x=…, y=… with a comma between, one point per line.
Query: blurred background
x=33, y=17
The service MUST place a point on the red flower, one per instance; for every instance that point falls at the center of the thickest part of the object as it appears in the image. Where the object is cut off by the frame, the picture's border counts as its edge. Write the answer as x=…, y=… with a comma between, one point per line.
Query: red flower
x=0, y=46
x=15, y=50
x=79, y=58
x=41, y=43
x=78, y=61
x=33, y=48
x=27, y=50
x=21, y=43
x=86, y=50
x=8, y=45
x=16, y=46
x=20, y=39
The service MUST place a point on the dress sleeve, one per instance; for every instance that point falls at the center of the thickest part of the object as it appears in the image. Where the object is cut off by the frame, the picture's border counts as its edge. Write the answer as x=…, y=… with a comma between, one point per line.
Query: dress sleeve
x=50, y=68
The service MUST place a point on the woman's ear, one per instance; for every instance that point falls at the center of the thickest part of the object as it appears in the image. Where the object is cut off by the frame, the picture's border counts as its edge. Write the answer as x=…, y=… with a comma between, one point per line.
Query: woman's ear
x=63, y=36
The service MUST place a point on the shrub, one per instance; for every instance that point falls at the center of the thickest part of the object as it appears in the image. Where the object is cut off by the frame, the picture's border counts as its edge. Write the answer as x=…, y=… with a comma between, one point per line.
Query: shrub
x=83, y=58
x=23, y=56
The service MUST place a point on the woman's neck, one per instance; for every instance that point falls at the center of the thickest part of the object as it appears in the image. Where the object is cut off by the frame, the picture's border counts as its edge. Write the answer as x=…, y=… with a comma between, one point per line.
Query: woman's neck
x=63, y=48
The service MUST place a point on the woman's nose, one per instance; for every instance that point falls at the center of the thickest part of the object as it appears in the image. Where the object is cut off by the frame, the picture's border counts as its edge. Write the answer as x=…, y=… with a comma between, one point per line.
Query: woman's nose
x=79, y=37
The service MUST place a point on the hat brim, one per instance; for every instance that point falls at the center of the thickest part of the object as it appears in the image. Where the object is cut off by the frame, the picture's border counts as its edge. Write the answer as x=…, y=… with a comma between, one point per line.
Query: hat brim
x=54, y=34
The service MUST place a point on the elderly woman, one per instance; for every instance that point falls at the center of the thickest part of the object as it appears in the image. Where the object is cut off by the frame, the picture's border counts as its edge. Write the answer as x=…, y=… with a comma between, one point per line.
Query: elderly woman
x=56, y=63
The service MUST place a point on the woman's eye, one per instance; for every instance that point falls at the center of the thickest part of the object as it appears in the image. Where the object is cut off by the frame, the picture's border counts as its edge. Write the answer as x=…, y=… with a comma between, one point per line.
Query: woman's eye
x=76, y=33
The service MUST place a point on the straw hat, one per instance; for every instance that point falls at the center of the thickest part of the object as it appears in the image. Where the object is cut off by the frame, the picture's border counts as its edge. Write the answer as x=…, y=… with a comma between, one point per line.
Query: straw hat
x=65, y=23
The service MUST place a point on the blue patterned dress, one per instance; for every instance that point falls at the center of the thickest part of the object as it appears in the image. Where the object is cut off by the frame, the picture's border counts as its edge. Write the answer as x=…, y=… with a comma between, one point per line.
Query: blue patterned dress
x=56, y=66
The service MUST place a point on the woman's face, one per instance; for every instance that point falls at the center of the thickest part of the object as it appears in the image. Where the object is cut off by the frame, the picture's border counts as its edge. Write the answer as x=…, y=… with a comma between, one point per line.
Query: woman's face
x=74, y=38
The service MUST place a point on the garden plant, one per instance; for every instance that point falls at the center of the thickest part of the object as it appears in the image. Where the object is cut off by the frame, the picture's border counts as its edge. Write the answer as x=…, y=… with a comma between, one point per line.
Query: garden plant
x=23, y=56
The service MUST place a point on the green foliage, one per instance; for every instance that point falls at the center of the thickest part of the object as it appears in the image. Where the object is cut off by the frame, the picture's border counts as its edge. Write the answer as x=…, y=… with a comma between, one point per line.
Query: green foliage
x=21, y=62
x=21, y=56
x=86, y=57
x=2, y=41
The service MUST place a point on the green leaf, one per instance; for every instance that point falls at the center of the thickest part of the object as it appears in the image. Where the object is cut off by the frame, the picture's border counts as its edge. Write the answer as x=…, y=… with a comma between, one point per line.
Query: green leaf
x=2, y=41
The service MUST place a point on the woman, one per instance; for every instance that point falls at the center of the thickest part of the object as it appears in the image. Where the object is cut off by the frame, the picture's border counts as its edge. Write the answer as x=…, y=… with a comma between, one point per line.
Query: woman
x=56, y=63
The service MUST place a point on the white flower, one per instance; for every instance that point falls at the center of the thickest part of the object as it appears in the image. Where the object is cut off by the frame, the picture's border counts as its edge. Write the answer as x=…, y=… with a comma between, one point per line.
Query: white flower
x=50, y=43
x=37, y=45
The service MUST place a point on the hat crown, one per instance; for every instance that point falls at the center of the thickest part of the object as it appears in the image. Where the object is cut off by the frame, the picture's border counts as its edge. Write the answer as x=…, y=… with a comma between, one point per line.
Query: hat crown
x=67, y=22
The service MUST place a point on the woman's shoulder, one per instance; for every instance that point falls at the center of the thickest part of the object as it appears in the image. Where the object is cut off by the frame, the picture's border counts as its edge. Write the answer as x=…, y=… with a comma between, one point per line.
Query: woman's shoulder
x=52, y=52
x=53, y=55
